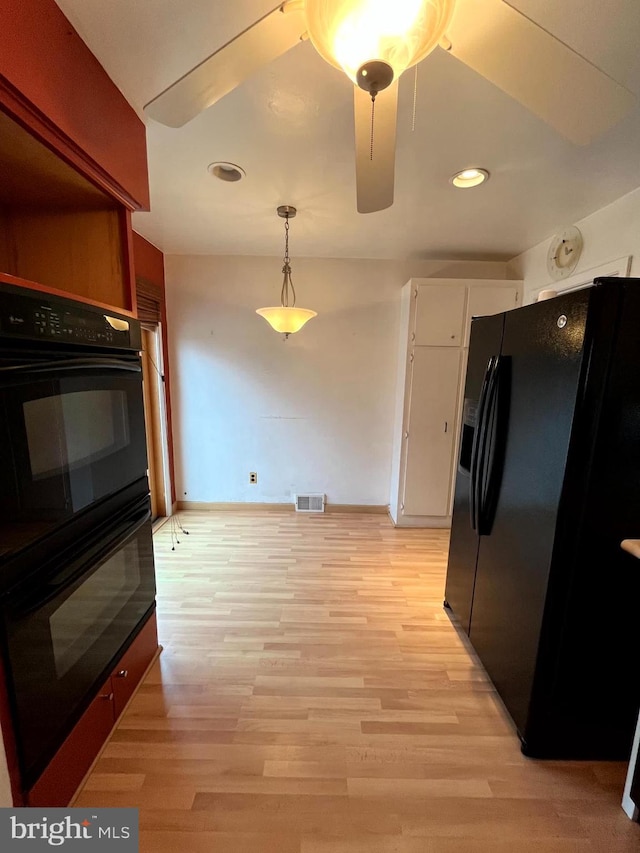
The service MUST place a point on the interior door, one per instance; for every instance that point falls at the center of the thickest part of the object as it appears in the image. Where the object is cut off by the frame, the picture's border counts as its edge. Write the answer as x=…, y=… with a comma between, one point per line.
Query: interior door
x=431, y=429
x=544, y=346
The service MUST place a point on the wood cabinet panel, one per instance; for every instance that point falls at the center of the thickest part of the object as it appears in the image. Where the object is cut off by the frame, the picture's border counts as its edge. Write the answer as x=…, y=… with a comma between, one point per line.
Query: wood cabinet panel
x=439, y=315
x=127, y=675
x=57, y=229
x=431, y=430
x=64, y=773
x=7, y=261
x=78, y=252
x=61, y=778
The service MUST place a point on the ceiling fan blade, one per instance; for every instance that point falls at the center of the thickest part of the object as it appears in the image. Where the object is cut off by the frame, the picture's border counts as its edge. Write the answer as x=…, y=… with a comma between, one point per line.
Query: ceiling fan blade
x=375, y=165
x=274, y=34
x=543, y=74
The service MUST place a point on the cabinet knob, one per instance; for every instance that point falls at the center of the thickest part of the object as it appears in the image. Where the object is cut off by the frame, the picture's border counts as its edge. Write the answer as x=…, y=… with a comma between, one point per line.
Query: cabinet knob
x=107, y=696
x=123, y=673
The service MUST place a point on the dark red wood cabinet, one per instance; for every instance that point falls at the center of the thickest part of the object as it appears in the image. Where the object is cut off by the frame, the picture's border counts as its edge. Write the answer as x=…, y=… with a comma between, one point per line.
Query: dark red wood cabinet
x=52, y=84
x=71, y=763
x=73, y=165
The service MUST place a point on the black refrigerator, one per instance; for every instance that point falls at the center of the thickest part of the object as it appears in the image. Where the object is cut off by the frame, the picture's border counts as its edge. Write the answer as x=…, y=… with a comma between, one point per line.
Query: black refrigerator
x=547, y=486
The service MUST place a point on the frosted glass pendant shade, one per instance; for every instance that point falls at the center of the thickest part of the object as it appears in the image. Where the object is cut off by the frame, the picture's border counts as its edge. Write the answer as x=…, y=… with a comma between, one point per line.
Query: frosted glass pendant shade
x=350, y=33
x=286, y=320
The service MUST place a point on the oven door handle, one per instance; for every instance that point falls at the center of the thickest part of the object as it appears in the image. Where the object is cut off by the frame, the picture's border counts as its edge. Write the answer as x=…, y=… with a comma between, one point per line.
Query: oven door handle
x=94, y=557
x=73, y=364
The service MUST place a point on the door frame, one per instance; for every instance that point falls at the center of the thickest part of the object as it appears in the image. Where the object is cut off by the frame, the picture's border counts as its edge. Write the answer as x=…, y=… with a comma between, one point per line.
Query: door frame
x=160, y=433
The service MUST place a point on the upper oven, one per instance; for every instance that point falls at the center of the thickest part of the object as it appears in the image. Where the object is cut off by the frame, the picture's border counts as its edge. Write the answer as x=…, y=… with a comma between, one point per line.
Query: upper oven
x=71, y=413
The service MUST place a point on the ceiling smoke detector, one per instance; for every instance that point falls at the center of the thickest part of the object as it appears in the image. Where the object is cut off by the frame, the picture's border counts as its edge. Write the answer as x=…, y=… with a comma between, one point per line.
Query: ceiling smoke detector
x=227, y=172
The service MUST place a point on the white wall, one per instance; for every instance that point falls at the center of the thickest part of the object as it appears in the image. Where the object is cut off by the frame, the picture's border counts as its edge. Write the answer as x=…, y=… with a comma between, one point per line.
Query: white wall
x=313, y=413
x=609, y=233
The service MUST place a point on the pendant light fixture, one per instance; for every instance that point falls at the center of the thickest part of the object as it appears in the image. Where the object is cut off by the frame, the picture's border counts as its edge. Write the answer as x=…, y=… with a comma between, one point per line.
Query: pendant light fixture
x=286, y=318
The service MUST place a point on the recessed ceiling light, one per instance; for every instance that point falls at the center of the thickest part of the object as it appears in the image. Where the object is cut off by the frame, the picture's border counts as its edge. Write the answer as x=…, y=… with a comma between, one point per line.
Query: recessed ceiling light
x=470, y=178
x=228, y=172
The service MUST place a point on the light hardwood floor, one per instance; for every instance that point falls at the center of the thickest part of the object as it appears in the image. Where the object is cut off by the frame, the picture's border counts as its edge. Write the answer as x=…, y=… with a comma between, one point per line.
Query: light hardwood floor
x=313, y=697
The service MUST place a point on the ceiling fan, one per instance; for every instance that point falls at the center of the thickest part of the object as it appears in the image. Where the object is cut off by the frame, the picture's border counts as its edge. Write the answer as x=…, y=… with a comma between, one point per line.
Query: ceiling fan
x=375, y=41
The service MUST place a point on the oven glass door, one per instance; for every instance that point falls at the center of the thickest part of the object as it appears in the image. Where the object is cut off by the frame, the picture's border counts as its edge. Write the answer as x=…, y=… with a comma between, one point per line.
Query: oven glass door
x=67, y=626
x=71, y=433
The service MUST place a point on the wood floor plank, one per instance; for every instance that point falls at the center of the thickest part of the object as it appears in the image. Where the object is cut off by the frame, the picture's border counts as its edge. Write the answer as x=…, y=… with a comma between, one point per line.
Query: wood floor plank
x=314, y=697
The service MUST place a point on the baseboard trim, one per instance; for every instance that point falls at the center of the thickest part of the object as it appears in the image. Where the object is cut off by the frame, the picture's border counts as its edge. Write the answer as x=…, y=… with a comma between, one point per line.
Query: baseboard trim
x=240, y=506
x=426, y=521
x=373, y=509
x=204, y=506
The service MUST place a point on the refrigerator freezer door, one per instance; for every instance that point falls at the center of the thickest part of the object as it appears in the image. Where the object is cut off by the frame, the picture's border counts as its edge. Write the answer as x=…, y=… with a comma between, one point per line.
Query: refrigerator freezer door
x=544, y=346
x=486, y=340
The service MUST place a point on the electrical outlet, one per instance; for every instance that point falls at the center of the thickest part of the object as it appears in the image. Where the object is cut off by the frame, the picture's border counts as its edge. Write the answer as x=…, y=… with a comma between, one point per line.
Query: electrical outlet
x=253, y=477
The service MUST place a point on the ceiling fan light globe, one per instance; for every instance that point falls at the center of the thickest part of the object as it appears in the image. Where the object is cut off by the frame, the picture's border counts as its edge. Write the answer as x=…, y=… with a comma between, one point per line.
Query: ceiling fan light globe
x=351, y=33
x=286, y=320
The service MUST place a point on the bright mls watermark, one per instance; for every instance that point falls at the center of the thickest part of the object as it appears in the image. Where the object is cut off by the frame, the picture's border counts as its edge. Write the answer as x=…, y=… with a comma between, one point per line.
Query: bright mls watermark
x=69, y=829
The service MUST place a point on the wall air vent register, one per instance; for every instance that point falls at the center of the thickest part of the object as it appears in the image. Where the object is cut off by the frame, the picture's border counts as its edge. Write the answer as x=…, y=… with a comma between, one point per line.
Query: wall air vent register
x=310, y=503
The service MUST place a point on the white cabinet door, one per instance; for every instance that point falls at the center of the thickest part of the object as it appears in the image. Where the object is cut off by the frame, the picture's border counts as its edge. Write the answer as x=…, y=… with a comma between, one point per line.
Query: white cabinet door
x=439, y=315
x=484, y=301
x=431, y=431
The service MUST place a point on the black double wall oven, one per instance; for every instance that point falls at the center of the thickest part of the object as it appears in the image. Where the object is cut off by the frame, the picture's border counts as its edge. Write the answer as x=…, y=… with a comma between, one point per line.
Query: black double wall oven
x=76, y=561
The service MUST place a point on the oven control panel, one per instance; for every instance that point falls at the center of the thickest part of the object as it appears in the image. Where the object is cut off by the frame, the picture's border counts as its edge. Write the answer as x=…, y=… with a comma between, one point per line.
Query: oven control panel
x=33, y=316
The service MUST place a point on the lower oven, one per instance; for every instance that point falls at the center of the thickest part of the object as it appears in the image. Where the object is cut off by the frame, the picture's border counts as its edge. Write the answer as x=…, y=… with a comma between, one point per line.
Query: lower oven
x=67, y=625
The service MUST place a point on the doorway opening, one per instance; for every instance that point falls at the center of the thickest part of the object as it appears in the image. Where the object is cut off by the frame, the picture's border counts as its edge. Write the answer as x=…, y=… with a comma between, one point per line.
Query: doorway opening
x=155, y=410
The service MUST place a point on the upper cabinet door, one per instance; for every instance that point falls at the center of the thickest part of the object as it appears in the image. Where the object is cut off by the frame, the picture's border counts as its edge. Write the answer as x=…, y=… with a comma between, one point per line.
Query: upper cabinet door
x=439, y=315
x=486, y=300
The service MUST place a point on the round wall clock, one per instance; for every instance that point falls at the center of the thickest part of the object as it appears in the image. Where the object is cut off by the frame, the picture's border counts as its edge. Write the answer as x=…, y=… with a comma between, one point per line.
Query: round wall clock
x=564, y=253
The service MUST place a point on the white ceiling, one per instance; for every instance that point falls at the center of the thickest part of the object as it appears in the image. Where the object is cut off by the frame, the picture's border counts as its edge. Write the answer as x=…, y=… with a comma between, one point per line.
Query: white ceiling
x=290, y=128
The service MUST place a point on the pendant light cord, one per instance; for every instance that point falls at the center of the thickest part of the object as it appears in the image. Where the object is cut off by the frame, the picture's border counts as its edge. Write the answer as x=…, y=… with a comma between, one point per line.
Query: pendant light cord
x=286, y=269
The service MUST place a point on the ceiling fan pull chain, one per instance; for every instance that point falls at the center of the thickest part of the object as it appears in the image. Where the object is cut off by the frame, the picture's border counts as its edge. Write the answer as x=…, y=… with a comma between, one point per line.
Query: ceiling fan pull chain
x=415, y=100
x=373, y=116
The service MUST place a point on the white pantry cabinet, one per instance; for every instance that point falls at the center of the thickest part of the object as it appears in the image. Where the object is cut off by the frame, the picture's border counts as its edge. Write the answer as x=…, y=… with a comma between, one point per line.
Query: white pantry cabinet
x=439, y=315
x=435, y=374
x=435, y=323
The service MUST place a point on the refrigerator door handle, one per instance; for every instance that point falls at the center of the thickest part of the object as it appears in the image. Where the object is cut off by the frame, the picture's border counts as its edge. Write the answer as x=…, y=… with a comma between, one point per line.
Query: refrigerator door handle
x=483, y=443
x=478, y=440
x=492, y=457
